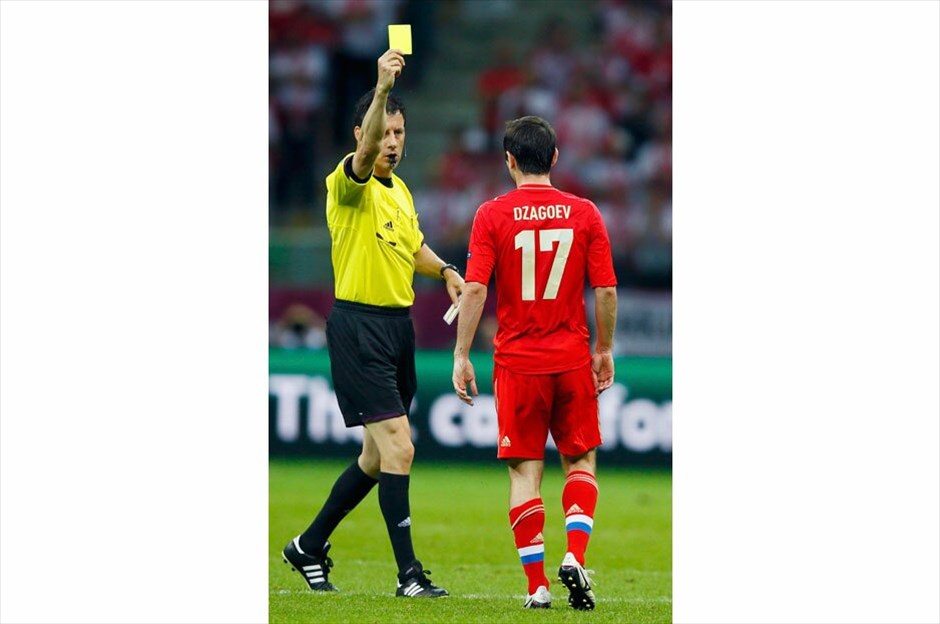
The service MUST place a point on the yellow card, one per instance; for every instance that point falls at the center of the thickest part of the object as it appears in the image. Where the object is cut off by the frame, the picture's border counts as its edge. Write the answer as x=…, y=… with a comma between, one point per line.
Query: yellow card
x=399, y=37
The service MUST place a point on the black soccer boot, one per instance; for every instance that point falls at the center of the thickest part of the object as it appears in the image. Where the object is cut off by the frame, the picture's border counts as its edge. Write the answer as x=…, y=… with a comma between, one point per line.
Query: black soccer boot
x=313, y=566
x=414, y=583
x=576, y=579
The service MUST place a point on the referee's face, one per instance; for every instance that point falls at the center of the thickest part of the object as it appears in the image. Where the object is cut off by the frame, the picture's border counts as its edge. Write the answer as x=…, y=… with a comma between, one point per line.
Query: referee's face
x=393, y=145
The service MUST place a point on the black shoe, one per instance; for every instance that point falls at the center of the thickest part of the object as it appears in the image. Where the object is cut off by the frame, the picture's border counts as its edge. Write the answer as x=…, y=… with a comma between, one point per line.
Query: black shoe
x=576, y=579
x=414, y=583
x=314, y=567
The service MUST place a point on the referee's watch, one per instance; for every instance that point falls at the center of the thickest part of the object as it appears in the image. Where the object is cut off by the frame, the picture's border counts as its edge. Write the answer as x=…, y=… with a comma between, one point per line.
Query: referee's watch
x=448, y=266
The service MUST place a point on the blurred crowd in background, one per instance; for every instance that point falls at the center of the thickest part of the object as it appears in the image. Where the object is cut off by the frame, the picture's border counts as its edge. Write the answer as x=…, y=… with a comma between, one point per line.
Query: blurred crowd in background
x=599, y=70
x=322, y=59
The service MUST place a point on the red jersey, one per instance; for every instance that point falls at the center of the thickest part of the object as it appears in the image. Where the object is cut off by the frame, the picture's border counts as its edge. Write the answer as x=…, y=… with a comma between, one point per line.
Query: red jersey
x=543, y=244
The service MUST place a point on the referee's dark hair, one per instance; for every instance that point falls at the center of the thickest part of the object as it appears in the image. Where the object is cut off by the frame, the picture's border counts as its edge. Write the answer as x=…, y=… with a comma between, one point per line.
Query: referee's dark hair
x=393, y=104
x=531, y=141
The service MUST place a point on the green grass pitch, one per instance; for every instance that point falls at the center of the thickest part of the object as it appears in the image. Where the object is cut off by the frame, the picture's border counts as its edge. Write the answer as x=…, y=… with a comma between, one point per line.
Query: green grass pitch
x=461, y=532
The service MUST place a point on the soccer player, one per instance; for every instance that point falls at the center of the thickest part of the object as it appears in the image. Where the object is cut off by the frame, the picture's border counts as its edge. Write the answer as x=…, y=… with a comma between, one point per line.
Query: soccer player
x=542, y=243
x=377, y=246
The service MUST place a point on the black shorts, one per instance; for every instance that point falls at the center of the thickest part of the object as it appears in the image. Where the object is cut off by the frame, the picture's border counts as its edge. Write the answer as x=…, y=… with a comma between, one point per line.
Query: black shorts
x=372, y=360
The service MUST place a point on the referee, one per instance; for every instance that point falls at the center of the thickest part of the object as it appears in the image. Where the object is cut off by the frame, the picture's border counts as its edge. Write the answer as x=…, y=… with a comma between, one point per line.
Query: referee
x=377, y=246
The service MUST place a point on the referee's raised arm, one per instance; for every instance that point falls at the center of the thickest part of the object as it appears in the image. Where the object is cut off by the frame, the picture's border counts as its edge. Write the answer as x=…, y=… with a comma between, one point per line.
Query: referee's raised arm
x=369, y=135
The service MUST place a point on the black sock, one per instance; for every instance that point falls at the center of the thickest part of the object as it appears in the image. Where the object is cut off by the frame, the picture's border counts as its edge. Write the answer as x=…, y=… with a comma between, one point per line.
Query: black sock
x=393, y=500
x=348, y=491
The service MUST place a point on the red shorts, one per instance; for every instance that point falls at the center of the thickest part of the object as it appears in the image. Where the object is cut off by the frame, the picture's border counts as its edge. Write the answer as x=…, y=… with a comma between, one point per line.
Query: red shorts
x=529, y=406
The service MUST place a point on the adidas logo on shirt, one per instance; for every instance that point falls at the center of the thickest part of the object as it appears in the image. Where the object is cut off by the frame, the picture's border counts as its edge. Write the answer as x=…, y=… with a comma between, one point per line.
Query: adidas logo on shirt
x=573, y=510
x=388, y=225
x=505, y=442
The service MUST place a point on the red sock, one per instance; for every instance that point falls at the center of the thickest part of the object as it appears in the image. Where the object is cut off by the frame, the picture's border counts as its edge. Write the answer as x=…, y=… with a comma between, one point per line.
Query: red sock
x=527, y=522
x=579, y=499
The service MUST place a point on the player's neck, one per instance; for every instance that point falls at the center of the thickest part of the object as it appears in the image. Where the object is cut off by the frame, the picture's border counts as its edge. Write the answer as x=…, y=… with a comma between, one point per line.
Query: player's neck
x=532, y=179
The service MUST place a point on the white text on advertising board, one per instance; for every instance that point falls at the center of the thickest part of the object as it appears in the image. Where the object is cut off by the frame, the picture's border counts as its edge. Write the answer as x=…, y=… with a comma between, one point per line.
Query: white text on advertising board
x=639, y=425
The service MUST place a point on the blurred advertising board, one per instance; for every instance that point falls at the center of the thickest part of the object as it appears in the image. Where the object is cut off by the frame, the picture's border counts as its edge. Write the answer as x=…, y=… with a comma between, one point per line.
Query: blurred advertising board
x=304, y=419
x=644, y=322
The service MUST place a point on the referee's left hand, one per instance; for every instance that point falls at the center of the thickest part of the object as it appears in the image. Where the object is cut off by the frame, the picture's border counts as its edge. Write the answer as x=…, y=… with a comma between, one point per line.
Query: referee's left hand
x=455, y=285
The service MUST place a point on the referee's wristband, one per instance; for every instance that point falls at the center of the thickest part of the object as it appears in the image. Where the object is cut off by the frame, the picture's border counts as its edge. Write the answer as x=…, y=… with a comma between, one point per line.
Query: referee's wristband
x=448, y=266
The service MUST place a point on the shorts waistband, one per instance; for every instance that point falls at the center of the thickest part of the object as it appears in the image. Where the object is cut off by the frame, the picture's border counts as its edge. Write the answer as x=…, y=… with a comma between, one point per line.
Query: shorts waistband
x=365, y=308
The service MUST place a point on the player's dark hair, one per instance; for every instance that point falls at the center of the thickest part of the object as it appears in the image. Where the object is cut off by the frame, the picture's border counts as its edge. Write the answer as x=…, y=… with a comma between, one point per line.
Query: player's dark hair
x=393, y=104
x=531, y=141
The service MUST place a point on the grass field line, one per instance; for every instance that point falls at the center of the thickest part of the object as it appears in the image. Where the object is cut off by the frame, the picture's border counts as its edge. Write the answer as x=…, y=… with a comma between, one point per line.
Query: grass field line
x=514, y=566
x=298, y=592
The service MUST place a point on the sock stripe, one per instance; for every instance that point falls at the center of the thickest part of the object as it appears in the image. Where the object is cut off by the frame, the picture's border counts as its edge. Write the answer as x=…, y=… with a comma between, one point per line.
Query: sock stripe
x=525, y=551
x=579, y=526
x=518, y=509
x=538, y=509
x=581, y=473
x=531, y=554
x=579, y=518
x=583, y=477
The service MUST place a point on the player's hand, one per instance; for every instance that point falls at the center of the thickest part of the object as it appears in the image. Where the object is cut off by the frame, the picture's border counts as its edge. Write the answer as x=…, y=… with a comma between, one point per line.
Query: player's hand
x=464, y=375
x=390, y=65
x=455, y=285
x=602, y=367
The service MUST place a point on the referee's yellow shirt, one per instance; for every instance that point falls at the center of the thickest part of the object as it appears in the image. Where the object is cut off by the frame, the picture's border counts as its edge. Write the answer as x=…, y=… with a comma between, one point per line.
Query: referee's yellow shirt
x=375, y=236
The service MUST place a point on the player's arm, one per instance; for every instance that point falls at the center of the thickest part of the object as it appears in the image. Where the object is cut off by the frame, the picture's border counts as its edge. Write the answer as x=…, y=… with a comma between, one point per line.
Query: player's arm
x=605, y=318
x=471, y=309
x=372, y=131
x=428, y=263
x=481, y=258
x=604, y=281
